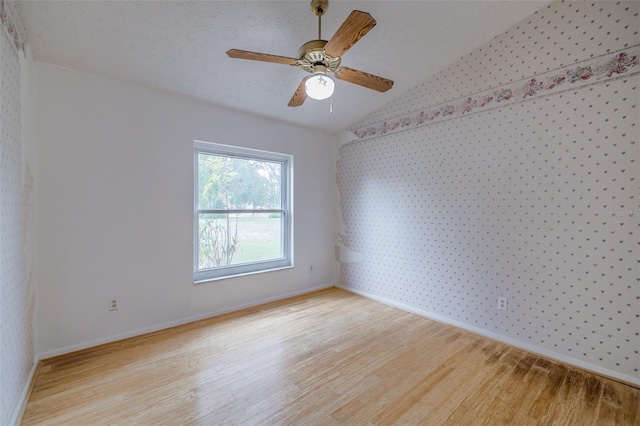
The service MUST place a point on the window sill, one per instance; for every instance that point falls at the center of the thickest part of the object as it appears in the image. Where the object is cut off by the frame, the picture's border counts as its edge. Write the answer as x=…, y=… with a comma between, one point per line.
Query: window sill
x=241, y=275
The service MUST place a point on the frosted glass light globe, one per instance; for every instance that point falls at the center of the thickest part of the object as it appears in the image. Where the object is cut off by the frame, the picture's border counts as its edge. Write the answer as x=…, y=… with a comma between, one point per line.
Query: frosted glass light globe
x=319, y=87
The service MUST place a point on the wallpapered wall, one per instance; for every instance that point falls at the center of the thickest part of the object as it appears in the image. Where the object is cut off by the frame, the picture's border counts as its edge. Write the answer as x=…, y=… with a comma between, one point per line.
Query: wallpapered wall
x=16, y=201
x=512, y=173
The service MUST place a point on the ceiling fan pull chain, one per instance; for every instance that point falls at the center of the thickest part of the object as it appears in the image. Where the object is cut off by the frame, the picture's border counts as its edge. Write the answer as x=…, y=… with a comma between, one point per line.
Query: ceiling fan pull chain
x=331, y=106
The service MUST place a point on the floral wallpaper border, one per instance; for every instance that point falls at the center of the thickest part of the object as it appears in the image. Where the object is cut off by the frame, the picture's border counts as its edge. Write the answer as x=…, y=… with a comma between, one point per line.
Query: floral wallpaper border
x=8, y=24
x=611, y=66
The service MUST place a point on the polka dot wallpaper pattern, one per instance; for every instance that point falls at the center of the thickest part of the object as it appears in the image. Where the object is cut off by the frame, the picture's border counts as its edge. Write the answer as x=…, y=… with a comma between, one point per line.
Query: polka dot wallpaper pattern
x=16, y=189
x=537, y=201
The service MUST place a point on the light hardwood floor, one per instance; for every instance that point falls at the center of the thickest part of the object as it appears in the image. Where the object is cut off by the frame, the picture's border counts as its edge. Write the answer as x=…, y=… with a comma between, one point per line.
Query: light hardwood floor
x=330, y=357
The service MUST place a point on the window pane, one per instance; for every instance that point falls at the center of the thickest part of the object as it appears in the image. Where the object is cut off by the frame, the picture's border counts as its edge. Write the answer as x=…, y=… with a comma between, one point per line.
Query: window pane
x=232, y=239
x=238, y=183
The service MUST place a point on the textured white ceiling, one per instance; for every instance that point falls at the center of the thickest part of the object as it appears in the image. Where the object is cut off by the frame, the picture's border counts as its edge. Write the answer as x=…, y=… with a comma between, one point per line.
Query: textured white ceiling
x=179, y=47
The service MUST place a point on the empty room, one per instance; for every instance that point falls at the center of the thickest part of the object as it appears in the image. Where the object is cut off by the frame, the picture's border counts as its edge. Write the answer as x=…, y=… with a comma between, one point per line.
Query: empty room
x=312, y=212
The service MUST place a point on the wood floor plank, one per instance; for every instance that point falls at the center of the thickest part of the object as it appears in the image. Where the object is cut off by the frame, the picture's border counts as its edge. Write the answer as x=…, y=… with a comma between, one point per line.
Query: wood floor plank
x=326, y=358
x=399, y=376
x=474, y=408
x=437, y=404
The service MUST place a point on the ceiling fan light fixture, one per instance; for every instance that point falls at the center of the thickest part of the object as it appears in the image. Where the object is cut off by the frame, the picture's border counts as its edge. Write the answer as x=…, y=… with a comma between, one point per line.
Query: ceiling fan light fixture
x=319, y=86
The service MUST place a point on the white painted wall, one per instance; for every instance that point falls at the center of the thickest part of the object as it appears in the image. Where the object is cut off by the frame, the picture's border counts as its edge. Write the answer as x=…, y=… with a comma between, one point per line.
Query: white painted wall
x=115, y=200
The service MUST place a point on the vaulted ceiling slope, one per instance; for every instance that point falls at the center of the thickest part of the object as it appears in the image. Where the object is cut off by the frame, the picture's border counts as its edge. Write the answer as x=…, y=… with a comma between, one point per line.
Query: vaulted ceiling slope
x=179, y=47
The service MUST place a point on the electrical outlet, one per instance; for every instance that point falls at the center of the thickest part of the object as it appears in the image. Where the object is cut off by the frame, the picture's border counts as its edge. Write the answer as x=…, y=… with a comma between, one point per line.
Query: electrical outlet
x=113, y=304
x=502, y=303
x=310, y=269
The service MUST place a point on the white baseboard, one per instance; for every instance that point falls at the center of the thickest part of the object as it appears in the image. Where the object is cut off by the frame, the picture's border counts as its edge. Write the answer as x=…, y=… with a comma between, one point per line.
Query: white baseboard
x=22, y=400
x=630, y=380
x=145, y=330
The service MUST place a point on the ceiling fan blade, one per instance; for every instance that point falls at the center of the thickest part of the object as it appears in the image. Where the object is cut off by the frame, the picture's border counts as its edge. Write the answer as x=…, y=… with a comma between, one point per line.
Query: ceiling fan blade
x=352, y=29
x=300, y=95
x=364, y=79
x=264, y=57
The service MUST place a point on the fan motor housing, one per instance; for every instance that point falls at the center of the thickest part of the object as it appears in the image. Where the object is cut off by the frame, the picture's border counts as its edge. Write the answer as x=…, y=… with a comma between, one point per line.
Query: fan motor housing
x=312, y=53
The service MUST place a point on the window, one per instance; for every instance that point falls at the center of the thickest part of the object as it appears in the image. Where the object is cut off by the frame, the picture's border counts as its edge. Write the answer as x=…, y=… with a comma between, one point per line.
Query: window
x=243, y=220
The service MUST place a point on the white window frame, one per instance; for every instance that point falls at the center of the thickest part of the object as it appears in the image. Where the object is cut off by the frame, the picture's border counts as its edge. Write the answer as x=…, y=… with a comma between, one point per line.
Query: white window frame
x=286, y=212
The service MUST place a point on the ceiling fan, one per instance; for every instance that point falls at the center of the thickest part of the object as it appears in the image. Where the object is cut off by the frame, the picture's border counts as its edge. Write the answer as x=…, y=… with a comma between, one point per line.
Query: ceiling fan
x=320, y=57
